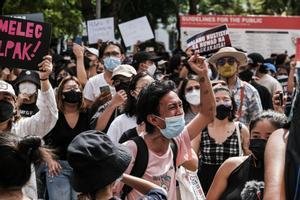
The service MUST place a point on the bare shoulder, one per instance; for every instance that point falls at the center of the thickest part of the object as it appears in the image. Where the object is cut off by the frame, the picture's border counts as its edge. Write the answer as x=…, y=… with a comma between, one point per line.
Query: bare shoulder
x=245, y=128
x=278, y=137
x=231, y=163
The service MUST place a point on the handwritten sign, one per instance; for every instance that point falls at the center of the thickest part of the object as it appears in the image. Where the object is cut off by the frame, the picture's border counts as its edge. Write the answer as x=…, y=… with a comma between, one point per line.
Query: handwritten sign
x=101, y=29
x=136, y=30
x=210, y=41
x=23, y=43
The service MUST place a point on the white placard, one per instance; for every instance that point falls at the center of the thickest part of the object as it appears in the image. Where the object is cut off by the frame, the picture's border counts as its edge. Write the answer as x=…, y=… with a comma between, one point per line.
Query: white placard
x=101, y=29
x=136, y=30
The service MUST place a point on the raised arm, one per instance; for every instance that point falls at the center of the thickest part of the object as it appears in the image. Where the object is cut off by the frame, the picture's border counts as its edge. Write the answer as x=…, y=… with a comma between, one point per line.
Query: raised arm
x=291, y=79
x=207, y=112
x=44, y=120
x=118, y=99
x=81, y=73
x=274, y=166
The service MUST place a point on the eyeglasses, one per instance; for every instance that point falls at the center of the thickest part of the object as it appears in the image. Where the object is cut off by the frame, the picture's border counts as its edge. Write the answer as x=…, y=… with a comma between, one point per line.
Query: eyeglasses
x=224, y=60
x=189, y=89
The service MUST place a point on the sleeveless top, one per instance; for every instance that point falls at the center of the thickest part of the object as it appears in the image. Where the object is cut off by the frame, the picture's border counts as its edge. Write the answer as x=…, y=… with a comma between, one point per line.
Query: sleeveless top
x=215, y=154
x=237, y=180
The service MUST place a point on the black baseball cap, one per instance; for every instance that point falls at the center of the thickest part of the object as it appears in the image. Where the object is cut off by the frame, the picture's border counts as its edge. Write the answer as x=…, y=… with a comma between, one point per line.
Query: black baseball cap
x=143, y=56
x=96, y=161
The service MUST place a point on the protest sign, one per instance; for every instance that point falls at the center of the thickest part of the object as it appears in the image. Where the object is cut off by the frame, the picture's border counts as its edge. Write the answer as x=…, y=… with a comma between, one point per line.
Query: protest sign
x=23, y=43
x=38, y=17
x=101, y=29
x=136, y=30
x=298, y=52
x=210, y=41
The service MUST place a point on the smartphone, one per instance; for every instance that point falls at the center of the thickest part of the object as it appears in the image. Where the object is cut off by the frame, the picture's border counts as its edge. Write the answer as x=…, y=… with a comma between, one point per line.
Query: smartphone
x=280, y=98
x=105, y=90
x=78, y=40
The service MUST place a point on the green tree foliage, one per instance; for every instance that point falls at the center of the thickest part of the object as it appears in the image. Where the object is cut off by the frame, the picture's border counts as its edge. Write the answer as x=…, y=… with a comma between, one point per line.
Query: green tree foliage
x=64, y=15
x=279, y=7
x=125, y=10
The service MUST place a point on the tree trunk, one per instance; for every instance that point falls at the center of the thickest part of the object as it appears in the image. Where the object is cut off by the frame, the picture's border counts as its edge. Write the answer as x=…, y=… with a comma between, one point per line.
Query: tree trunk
x=88, y=10
x=193, y=7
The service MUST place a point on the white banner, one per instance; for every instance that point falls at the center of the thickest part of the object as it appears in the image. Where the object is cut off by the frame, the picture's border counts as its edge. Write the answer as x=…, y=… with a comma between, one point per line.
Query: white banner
x=262, y=34
x=136, y=30
x=101, y=29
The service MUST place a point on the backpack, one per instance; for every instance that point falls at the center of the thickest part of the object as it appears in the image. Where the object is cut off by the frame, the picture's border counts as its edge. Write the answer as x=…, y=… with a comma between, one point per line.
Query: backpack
x=141, y=159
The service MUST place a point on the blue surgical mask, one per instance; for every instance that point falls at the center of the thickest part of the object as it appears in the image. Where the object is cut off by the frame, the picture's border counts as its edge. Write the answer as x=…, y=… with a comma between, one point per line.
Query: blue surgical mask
x=110, y=63
x=174, y=126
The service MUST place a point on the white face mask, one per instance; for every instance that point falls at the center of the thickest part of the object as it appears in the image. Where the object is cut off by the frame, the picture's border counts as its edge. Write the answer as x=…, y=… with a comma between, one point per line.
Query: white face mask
x=151, y=69
x=193, y=97
x=27, y=88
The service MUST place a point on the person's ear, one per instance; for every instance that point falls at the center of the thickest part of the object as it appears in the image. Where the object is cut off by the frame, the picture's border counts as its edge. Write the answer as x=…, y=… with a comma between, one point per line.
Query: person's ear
x=155, y=121
x=152, y=119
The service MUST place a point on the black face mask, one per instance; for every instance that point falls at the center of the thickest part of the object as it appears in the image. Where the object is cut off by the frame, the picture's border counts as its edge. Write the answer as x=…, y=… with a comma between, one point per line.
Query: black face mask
x=257, y=147
x=72, y=96
x=246, y=75
x=122, y=86
x=6, y=110
x=27, y=110
x=223, y=111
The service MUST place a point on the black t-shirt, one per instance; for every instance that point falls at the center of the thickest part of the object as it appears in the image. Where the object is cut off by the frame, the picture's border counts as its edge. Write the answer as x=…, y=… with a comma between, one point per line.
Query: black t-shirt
x=62, y=134
x=244, y=173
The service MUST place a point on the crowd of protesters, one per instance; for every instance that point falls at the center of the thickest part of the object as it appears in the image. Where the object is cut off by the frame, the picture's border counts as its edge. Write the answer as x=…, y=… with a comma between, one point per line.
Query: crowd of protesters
x=107, y=124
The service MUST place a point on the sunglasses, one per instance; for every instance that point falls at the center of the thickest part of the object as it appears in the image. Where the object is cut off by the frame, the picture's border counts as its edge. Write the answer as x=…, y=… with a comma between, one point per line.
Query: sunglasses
x=224, y=60
x=191, y=88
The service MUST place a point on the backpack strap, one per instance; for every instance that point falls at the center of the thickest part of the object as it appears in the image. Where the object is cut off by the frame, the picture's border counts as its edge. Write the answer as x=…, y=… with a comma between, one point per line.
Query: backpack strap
x=129, y=134
x=242, y=94
x=175, y=152
x=238, y=128
x=140, y=164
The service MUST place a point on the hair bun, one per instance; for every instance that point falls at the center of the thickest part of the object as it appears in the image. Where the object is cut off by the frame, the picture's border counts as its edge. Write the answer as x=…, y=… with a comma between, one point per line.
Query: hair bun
x=29, y=146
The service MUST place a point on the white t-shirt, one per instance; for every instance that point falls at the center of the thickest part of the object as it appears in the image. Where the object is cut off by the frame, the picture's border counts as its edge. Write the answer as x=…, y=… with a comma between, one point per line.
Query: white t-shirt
x=92, y=88
x=120, y=124
x=270, y=83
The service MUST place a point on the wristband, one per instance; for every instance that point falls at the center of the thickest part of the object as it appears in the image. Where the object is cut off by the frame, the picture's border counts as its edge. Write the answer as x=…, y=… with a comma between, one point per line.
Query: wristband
x=45, y=79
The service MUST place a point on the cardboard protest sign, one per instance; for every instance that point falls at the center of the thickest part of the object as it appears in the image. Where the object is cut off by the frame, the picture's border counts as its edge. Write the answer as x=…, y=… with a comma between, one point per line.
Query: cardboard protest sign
x=101, y=29
x=136, y=30
x=23, y=43
x=210, y=41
